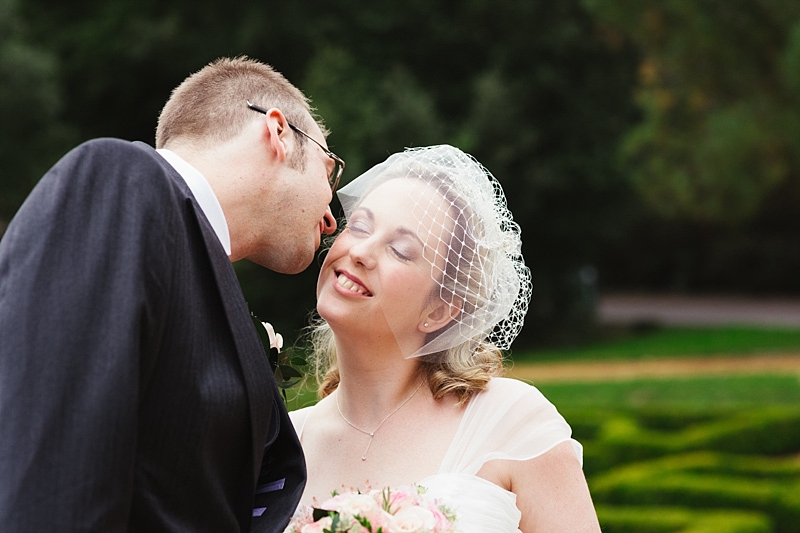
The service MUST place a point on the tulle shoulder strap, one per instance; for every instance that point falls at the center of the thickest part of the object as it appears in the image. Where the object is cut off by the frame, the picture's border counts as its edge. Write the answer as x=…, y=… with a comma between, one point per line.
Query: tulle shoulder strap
x=510, y=420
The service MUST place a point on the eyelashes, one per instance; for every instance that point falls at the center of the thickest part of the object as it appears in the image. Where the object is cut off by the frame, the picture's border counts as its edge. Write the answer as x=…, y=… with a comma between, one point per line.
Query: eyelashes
x=399, y=248
x=397, y=253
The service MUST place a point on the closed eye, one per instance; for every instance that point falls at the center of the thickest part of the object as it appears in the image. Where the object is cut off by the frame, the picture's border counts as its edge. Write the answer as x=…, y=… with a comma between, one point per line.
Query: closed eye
x=359, y=228
x=399, y=254
x=361, y=221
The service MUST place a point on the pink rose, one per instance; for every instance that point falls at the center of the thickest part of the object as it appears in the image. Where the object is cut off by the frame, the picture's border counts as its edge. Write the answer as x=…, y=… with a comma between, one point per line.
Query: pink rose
x=317, y=527
x=442, y=523
x=379, y=519
x=411, y=520
x=402, y=498
x=362, y=505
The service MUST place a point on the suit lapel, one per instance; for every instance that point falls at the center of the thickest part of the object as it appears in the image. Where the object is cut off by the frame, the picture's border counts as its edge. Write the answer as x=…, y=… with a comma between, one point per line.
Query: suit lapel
x=253, y=359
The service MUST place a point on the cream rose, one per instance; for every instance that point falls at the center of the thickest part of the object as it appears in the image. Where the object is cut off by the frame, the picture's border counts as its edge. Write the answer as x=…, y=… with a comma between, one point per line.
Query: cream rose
x=352, y=504
x=411, y=519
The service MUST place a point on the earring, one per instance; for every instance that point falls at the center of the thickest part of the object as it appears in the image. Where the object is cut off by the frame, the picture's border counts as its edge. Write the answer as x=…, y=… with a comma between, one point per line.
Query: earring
x=425, y=325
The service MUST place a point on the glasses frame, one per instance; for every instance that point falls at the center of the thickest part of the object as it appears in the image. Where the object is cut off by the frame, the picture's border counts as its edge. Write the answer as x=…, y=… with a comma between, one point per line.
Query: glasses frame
x=338, y=167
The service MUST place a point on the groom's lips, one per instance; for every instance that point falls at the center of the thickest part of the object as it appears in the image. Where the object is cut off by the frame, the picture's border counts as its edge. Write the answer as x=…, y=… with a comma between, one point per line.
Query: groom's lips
x=348, y=282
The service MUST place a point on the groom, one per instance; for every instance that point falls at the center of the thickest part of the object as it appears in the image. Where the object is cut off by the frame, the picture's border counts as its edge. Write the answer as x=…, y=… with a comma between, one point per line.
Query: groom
x=134, y=392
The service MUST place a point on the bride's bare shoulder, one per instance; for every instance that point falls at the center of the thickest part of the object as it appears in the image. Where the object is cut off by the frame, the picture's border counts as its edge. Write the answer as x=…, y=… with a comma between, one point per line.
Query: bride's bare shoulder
x=300, y=417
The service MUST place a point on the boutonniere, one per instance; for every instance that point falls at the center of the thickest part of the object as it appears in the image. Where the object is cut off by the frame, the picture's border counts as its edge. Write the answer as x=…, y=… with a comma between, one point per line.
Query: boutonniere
x=285, y=364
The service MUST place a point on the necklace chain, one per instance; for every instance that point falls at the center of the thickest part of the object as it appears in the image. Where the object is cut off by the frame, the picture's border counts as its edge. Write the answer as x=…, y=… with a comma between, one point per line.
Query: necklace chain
x=371, y=434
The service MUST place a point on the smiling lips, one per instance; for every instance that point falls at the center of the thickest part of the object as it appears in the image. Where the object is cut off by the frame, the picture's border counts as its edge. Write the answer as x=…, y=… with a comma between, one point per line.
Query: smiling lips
x=346, y=283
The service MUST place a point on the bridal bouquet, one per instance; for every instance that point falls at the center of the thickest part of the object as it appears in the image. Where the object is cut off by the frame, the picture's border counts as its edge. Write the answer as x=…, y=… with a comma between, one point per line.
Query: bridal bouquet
x=400, y=510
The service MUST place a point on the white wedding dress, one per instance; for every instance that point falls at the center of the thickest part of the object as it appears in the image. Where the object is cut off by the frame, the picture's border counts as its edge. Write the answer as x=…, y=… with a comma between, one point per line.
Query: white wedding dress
x=509, y=420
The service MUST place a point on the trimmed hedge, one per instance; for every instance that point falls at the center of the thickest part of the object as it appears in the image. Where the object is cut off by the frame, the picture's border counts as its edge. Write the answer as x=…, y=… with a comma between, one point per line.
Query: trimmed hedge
x=657, y=483
x=742, y=466
x=680, y=520
x=693, y=472
x=658, y=419
x=621, y=438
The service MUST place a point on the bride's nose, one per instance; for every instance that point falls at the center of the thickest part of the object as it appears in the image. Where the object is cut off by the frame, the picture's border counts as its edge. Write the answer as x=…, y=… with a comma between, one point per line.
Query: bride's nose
x=363, y=253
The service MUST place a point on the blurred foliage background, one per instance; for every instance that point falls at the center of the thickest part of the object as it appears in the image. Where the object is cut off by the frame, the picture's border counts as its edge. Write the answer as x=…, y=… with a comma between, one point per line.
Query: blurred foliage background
x=642, y=144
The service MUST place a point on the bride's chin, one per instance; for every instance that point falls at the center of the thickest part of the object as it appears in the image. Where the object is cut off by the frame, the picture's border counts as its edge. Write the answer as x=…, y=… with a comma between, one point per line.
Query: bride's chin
x=328, y=311
x=342, y=321
x=322, y=310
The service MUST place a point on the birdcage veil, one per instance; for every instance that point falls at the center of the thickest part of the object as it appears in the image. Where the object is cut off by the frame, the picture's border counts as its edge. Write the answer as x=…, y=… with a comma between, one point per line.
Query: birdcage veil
x=477, y=264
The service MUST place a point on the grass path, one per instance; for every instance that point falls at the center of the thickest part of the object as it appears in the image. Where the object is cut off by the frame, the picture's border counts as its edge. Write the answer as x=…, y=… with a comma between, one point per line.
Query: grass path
x=577, y=371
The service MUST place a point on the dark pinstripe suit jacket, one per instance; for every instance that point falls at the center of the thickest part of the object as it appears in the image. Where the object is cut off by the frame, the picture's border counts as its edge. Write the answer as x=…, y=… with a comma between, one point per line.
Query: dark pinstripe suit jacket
x=134, y=392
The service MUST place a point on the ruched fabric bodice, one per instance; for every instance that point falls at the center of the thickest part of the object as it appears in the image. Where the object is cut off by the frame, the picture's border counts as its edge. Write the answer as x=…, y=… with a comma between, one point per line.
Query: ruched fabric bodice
x=509, y=420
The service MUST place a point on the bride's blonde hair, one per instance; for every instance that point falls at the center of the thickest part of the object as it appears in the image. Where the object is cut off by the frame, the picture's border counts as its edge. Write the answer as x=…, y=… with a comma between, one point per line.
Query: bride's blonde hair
x=461, y=370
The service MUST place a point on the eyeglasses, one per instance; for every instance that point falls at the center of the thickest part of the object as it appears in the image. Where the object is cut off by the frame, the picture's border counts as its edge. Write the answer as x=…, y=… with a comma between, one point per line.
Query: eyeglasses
x=338, y=167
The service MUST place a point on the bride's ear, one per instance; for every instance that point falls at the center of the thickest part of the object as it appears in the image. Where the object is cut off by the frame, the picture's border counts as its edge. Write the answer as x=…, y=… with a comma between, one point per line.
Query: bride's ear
x=439, y=315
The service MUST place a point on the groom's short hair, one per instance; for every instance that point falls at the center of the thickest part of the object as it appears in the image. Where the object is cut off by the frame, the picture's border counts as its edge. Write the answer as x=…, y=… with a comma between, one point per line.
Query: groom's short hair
x=210, y=106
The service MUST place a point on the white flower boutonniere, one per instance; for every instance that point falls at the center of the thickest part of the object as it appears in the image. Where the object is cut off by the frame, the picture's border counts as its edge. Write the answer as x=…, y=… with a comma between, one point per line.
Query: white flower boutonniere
x=275, y=339
x=285, y=364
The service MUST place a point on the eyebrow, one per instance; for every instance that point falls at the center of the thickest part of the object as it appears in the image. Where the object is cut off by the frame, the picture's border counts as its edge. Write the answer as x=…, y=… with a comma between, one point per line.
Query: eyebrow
x=401, y=230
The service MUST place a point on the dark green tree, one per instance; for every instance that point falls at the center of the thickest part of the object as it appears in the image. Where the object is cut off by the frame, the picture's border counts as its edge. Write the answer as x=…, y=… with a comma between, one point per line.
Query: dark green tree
x=717, y=151
x=719, y=90
x=530, y=88
x=31, y=136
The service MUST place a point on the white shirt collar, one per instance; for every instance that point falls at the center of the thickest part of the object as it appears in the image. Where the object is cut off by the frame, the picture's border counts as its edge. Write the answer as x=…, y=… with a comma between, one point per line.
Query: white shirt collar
x=204, y=195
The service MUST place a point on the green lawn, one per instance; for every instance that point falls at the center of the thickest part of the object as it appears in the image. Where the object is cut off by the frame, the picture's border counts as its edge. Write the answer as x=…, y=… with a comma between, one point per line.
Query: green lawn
x=674, y=342
x=720, y=392
x=690, y=394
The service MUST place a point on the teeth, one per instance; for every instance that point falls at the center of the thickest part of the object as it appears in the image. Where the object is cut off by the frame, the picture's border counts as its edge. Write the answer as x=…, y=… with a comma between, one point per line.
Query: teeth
x=348, y=284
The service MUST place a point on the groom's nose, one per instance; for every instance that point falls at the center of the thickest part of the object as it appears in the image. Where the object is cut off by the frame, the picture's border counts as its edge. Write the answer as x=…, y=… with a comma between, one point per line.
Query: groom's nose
x=328, y=222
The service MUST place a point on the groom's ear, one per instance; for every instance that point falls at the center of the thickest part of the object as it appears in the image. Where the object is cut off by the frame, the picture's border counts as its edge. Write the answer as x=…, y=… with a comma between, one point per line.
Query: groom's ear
x=439, y=314
x=276, y=134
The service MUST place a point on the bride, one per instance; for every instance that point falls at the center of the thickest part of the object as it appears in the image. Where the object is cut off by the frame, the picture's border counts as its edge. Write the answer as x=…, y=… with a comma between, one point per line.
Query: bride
x=417, y=296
